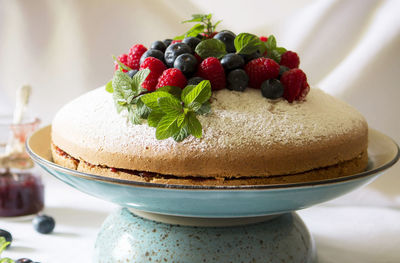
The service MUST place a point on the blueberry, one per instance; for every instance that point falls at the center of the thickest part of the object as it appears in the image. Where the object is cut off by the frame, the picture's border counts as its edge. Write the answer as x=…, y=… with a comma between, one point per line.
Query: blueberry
x=237, y=80
x=228, y=38
x=251, y=56
x=174, y=50
x=282, y=69
x=232, y=61
x=272, y=89
x=132, y=72
x=152, y=53
x=191, y=42
x=7, y=235
x=187, y=63
x=159, y=45
x=195, y=80
x=43, y=224
x=24, y=260
x=167, y=42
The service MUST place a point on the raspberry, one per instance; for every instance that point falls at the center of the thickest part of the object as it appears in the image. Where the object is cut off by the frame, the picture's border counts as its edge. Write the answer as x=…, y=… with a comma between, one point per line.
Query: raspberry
x=199, y=59
x=295, y=83
x=212, y=70
x=290, y=59
x=135, y=53
x=156, y=67
x=261, y=69
x=176, y=41
x=172, y=77
x=264, y=39
x=123, y=59
x=208, y=35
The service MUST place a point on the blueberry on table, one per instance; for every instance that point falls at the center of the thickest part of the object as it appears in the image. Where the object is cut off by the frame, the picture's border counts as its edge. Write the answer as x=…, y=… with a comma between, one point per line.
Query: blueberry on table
x=44, y=224
x=132, y=72
x=187, y=63
x=195, y=80
x=24, y=260
x=159, y=45
x=152, y=53
x=237, y=80
x=272, y=89
x=228, y=38
x=232, y=61
x=191, y=42
x=173, y=51
x=7, y=235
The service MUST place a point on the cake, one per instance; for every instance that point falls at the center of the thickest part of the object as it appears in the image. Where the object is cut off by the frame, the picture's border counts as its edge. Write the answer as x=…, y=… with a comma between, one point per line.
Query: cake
x=285, y=133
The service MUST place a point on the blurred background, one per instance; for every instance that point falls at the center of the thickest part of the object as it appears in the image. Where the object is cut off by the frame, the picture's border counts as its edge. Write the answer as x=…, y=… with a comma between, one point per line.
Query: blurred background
x=349, y=48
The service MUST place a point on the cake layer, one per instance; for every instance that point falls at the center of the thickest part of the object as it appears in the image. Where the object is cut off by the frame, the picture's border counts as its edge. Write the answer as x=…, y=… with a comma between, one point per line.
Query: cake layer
x=245, y=135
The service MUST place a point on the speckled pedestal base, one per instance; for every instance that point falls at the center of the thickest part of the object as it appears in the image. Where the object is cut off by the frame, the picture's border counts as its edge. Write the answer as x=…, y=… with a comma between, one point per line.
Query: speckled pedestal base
x=125, y=237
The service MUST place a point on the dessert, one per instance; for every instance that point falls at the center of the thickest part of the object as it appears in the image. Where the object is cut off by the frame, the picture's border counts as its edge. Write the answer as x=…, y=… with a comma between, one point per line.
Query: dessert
x=217, y=109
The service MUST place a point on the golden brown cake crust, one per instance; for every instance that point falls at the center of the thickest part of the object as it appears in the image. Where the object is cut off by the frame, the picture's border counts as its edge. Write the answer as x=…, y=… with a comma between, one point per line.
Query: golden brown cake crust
x=353, y=166
x=246, y=135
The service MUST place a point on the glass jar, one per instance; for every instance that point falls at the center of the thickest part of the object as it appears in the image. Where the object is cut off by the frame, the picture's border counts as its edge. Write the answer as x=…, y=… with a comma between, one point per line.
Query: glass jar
x=21, y=187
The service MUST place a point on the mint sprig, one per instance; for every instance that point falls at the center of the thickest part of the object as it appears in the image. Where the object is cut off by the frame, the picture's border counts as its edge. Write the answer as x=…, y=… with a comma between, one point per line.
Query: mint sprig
x=211, y=48
x=3, y=246
x=205, y=25
x=247, y=44
x=273, y=51
x=174, y=116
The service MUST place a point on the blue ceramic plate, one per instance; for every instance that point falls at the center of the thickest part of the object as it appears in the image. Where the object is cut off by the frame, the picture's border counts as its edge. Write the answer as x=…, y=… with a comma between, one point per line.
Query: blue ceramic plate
x=216, y=201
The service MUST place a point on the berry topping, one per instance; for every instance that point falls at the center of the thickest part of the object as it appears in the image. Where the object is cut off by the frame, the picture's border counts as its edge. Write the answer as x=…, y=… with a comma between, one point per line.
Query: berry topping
x=174, y=50
x=261, y=69
x=290, y=59
x=7, y=235
x=272, y=89
x=195, y=80
x=264, y=39
x=295, y=83
x=187, y=63
x=232, y=61
x=44, y=224
x=237, y=80
x=176, y=41
x=159, y=45
x=167, y=42
x=135, y=53
x=228, y=38
x=132, y=72
x=172, y=77
x=251, y=56
x=152, y=53
x=123, y=59
x=212, y=70
x=282, y=69
x=156, y=67
x=191, y=42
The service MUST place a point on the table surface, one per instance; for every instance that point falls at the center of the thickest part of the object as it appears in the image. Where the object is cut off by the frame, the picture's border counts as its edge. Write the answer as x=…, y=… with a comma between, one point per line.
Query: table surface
x=362, y=226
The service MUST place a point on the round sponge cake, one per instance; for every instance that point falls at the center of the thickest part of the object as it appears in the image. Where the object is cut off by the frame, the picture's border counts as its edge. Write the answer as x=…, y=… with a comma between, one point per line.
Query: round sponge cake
x=247, y=139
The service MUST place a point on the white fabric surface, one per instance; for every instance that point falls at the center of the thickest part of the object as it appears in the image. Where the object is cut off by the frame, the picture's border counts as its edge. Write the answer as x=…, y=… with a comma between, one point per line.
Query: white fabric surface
x=351, y=49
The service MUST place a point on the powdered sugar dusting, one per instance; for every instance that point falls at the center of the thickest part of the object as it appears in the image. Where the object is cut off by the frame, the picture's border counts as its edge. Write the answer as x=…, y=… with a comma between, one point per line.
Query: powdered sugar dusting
x=237, y=120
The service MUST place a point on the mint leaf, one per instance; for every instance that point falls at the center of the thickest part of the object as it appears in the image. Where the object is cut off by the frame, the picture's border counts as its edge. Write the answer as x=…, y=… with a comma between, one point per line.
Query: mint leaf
x=187, y=90
x=181, y=134
x=121, y=66
x=281, y=50
x=151, y=99
x=166, y=127
x=194, y=106
x=200, y=93
x=138, y=79
x=197, y=18
x=204, y=109
x=142, y=110
x=154, y=117
x=119, y=100
x=181, y=119
x=176, y=91
x=247, y=44
x=109, y=87
x=170, y=106
x=193, y=32
x=211, y=48
x=123, y=83
x=194, y=125
x=271, y=43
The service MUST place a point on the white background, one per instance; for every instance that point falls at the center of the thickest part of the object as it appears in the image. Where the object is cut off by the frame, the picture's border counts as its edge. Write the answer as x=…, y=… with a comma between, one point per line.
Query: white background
x=350, y=49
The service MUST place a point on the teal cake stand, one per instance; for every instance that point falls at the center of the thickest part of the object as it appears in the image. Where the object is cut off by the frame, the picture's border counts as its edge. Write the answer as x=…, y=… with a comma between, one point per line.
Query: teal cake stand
x=174, y=223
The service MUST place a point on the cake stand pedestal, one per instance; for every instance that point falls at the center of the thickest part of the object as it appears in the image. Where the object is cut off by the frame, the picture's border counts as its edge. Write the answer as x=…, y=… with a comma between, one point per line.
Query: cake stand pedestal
x=126, y=237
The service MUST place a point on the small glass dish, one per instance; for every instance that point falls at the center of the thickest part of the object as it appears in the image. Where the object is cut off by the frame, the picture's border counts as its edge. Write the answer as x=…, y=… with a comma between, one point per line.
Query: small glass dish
x=21, y=186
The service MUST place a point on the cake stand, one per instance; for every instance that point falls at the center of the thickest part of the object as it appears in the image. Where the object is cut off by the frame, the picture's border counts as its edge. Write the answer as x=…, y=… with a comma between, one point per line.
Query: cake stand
x=175, y=223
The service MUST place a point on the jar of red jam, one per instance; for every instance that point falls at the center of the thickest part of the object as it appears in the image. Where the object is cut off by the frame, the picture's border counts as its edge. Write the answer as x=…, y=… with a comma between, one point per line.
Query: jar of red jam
x=21, y=187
